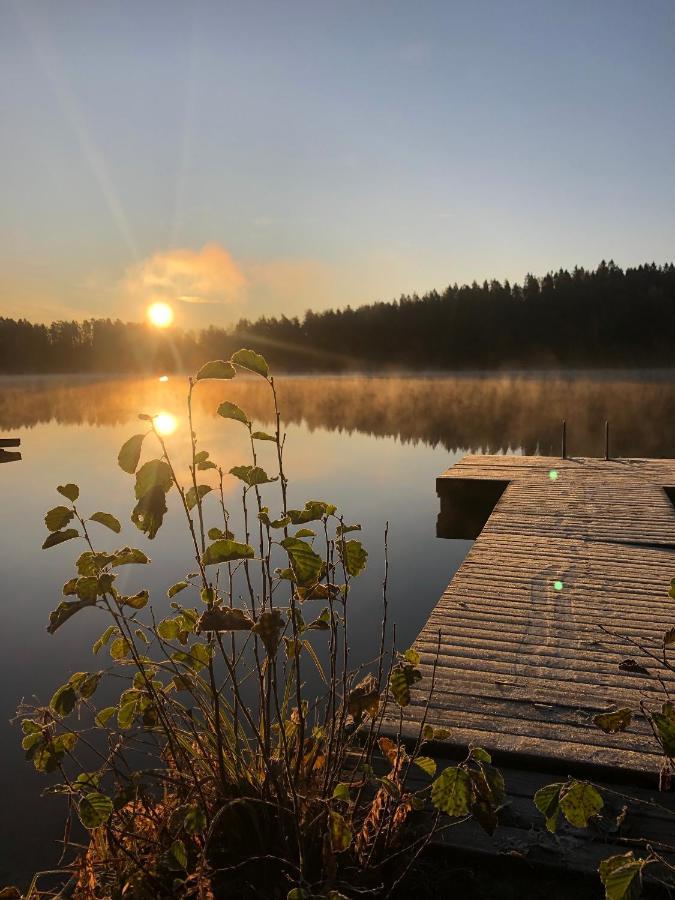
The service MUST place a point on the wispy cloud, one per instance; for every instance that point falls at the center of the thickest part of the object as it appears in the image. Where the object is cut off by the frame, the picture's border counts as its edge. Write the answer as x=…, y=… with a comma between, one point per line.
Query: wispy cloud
x=209, y=275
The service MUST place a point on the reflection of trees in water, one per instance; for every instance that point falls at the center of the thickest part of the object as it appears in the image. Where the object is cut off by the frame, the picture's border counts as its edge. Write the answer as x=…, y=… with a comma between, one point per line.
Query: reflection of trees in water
x=484, y=413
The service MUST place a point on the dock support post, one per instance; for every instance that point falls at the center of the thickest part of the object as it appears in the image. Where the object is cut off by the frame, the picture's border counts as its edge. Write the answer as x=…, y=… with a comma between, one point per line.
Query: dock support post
x=563, y=451
x=606, y=439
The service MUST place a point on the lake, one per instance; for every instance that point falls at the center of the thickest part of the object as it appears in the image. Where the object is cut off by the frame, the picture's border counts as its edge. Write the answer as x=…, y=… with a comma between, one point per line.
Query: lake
x=372, y=445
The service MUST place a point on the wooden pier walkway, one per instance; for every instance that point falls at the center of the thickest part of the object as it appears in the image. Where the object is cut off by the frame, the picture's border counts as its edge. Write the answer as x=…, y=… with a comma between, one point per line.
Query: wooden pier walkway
x=568, y=577
x=9, y=455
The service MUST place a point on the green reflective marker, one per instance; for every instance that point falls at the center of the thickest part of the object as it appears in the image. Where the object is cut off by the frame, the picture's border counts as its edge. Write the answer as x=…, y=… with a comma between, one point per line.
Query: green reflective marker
x=553, y=474
x=558, y=585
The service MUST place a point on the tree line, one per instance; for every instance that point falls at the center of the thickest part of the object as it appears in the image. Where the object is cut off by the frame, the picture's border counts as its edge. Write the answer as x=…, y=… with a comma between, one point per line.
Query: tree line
x=594, y=318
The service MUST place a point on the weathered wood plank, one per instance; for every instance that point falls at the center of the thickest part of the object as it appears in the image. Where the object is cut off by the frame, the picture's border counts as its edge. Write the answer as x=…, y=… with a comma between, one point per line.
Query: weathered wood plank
x=568, y=576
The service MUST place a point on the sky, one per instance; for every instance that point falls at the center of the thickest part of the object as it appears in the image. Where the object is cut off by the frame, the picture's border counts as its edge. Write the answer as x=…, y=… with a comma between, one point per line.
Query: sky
x=239, y=159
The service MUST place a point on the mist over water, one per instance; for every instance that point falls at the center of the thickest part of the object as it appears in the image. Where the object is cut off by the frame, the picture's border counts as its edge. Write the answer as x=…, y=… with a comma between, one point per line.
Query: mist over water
x=484, y=413
x=372, y=445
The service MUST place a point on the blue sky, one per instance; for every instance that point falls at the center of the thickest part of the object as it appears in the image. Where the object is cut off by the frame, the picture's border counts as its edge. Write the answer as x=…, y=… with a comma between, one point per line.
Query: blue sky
x=254, y=157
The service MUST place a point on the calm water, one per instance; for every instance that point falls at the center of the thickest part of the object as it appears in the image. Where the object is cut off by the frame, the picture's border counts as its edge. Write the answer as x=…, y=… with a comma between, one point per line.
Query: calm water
x=371, y=445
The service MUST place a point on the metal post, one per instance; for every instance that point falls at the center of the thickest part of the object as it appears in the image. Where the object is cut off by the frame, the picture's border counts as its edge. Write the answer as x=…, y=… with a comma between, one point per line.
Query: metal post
x=606, y=439
x=564, y=440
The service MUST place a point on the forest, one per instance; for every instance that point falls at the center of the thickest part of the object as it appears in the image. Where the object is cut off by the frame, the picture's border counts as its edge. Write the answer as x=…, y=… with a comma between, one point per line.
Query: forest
x=606, y=317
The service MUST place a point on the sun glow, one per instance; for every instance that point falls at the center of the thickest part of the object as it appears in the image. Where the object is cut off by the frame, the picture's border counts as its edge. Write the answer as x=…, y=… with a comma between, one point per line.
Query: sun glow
x=160, y=314
x=165, y=423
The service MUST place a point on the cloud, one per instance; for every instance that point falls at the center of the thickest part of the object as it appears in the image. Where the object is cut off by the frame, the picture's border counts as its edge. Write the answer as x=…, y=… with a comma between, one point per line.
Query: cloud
x=209, y=276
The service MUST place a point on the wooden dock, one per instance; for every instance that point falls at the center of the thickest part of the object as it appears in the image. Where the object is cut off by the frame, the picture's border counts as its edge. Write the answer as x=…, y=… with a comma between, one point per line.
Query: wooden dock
x=568, y=577
x=9, y=455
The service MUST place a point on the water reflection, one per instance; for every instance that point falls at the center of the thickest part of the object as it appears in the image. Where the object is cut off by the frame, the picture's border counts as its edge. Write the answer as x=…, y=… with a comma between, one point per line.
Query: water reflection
x=489, y=413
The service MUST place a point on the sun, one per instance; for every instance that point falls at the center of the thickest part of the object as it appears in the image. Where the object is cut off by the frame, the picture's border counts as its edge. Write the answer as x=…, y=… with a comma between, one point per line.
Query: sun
x=160, y=314
x=165, y=423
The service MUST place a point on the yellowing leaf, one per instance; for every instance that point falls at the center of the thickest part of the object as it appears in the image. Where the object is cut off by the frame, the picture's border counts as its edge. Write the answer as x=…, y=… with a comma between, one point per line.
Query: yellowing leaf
x=612, y=722
x=451, y=792
x=579, y=801
x=340, y=833
x=218, y=619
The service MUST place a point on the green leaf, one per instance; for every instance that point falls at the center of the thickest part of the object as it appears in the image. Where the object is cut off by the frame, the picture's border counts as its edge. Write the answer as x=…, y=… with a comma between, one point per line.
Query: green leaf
x=547, y=801
x=231, y=411
x=136, y=601
x=195, y=820
x=86, y=587
x=107, y=519
x=179, y=854
x=58, y=537
x=341, y=792
x=89, y=563
x=120, y=648
x=176, y=588
x=169, y=629
x=579, y=801
x=273, y=523
x=216, y=368
x=94, y=809
x=196, y=658
x=126, y=713
x=105, y=637
x=252, y=475
x=665, y=727
x=155, y=473
x=87, y=684
x=307, y=565
x=263, y=436
x=64, y=611
x=254, y=362
x=148, y=514
x=64, y=700
x=345, y=529
x=321, y=623
x=218, y=619
x=451, y=792
x=128, y=555
x=226, y=551
x=71, y=491
x=218, y=534
x=480, y=755
x=58, y=518
x=130, y=454
x=104, y=714
x=412, y=656
x=88, y=779
x=620, y=876
x=191, y=496
x=304, y=532
x=340, y=833
x=353, y=555
x=612, y=722
x=312, y=512
x=426, y=763
x=403, y=676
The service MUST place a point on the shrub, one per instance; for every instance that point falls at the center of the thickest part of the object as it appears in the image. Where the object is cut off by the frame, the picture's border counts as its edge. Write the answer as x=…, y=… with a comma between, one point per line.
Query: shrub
x=216, y=772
